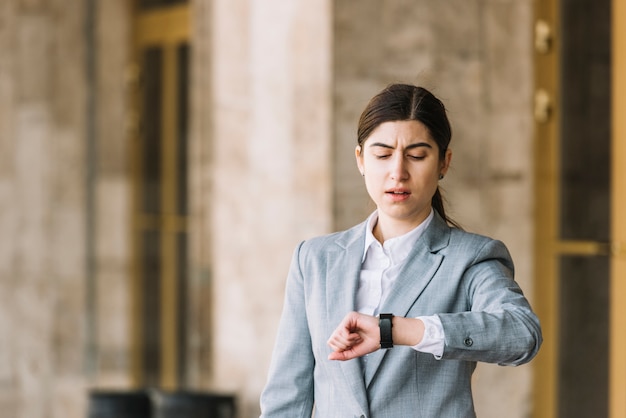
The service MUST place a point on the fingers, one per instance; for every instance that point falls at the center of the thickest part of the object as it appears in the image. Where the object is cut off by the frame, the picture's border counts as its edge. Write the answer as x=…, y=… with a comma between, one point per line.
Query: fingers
x=340, y=341
x=350, y=351
x=354, y=337
x=341, y=355
x=345, y=334
x=344, y=338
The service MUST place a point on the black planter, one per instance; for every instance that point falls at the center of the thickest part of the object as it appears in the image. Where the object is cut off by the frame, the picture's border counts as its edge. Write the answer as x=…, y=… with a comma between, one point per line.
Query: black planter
x=104, y=404
x=193, y=405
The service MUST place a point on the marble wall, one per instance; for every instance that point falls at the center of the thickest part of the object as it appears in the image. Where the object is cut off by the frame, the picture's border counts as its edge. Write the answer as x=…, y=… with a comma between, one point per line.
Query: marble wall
x=42, y=215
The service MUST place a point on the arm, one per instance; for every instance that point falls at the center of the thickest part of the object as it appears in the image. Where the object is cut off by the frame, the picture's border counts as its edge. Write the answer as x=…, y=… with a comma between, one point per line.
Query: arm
x=500, y=326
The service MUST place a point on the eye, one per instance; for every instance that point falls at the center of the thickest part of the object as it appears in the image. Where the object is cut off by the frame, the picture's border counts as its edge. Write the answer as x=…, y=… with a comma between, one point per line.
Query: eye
x=382, y=156
x=416, y=157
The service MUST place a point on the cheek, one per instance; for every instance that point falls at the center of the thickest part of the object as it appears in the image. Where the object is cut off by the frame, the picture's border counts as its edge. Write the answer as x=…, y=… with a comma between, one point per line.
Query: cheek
x=427, y=172
x=373, y=184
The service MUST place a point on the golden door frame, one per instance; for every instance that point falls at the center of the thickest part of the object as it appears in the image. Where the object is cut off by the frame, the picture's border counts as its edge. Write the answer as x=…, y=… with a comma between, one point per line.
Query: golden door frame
x=617, y=371
x=167, y=28
x=547, y=245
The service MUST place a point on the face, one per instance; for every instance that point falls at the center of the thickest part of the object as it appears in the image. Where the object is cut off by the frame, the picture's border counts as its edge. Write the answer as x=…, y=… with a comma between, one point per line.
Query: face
x=401, y=166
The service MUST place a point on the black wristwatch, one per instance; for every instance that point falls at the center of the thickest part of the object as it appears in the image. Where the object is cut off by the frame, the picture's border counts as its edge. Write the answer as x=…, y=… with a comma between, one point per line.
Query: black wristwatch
x=385, y=325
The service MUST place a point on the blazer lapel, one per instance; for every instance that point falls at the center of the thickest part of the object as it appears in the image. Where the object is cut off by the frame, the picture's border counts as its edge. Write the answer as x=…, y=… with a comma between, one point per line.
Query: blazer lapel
x=343, y=270
x=421, y=265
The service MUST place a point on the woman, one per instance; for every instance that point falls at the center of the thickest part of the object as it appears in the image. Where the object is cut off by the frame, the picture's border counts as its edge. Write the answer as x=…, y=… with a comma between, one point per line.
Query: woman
x=389, y=318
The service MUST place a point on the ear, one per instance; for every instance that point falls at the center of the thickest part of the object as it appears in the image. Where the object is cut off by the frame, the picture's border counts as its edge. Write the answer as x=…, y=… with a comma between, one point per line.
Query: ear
x=358, y=153
x=445, y=164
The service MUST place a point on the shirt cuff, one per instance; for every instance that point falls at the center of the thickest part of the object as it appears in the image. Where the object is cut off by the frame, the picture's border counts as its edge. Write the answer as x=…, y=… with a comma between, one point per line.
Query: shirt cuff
x=434, y=339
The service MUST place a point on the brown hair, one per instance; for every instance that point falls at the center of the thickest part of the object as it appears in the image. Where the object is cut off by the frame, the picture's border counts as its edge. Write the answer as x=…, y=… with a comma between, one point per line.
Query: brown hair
x=399, y=102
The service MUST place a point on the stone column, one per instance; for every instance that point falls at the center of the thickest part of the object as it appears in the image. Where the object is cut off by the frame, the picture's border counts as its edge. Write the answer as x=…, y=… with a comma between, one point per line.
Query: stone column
x=42, y=195
x=115, y=76
x=265, y=181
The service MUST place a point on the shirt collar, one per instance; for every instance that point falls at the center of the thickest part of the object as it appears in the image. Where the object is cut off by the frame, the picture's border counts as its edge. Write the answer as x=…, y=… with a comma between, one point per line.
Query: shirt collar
x=398, y=248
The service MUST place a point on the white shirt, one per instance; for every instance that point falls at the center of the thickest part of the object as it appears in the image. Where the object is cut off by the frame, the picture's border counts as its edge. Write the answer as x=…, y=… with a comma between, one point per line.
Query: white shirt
x=379, y=270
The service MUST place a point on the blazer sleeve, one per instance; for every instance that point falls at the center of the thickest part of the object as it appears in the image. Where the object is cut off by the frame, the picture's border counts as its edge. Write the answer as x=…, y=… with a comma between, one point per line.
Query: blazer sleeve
x=289, y=389
x=499, y=326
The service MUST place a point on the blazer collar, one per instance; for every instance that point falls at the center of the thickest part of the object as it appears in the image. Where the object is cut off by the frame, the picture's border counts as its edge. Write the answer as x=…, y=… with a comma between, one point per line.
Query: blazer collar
x=421, y=265
x=344, y=266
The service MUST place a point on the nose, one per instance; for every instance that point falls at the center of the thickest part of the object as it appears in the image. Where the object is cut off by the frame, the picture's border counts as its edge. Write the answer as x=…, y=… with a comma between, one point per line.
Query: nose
x=398, y=169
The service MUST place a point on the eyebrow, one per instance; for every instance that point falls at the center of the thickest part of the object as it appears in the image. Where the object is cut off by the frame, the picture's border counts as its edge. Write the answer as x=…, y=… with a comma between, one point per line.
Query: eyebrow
x=411, y=146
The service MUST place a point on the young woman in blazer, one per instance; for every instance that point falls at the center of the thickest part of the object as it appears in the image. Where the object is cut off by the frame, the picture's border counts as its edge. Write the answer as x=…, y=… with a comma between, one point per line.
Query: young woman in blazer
x=388, y=318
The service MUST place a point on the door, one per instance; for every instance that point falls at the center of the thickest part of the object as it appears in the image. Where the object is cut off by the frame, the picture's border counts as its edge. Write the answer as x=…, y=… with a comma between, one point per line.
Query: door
x=160, y=192
x=580, y=194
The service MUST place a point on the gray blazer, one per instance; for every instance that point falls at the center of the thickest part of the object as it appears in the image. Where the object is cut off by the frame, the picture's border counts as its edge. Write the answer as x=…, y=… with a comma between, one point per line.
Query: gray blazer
x=464, y=278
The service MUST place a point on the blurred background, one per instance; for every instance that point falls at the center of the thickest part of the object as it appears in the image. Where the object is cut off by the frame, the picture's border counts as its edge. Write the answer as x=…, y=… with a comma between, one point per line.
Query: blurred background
x=160, y=160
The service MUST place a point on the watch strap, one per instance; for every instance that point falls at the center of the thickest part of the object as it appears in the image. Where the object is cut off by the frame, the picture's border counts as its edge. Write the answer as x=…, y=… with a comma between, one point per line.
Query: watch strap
x=385, y=324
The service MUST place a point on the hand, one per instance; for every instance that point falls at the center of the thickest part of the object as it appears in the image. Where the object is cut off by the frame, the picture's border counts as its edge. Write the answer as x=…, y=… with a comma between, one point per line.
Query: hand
x=357, y=335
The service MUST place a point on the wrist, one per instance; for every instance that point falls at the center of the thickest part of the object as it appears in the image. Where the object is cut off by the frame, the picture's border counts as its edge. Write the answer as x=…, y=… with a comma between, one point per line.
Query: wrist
x=385, y=324
x=407, y=331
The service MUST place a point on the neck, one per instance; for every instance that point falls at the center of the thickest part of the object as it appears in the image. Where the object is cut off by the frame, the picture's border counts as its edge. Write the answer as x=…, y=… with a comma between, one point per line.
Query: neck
x=387, y=228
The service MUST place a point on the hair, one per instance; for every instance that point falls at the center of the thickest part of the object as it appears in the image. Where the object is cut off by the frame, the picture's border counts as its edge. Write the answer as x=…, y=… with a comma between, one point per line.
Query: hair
x=402, y=102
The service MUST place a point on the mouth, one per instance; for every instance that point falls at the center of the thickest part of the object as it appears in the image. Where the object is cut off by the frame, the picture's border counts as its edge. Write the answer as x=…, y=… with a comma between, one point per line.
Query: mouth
x=398, y=192
x=398, y=195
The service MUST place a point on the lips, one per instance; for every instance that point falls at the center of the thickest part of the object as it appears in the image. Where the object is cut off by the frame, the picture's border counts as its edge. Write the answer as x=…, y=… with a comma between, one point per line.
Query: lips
x=398, y=192
x=398, y=195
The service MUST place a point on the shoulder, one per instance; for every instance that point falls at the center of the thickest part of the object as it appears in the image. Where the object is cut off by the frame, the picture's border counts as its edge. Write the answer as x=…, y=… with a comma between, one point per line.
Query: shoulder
x=312, y=256
x=335, y=240
x=460, y=237
x=477, y=247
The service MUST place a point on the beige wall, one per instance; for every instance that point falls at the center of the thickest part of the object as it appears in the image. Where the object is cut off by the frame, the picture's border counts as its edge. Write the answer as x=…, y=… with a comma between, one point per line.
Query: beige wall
x=56, y=340
x=42, y=208
x=277, y=88
x=108, y=346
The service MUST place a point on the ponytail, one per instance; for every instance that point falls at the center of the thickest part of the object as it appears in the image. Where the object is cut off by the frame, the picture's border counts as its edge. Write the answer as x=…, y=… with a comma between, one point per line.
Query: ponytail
x=437, y=202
